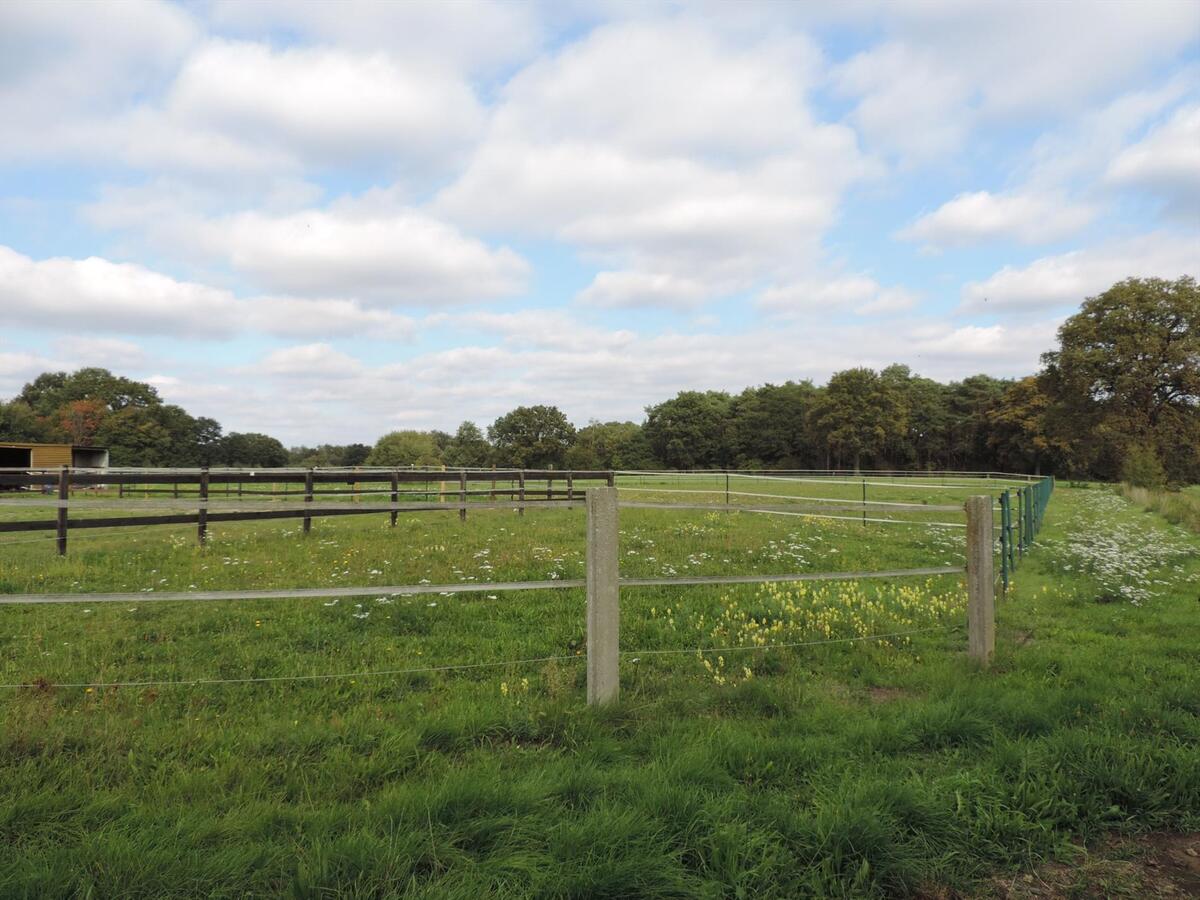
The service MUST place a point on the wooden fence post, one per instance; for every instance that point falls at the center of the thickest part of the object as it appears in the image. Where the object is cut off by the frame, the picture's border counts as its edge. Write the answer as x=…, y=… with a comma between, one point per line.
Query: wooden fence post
x=395, y=495
x=603, y=597
x=521, y=493
x=981, y=598
x=462, y=495
x=202, y=511
x=308, y=498
x=64, y=495
x=570, y=486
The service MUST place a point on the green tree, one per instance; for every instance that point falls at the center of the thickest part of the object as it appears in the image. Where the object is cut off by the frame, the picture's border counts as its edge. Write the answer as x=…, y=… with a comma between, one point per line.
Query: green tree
x=532, y=437
x=405, y=448
x=768, y=426
x=1020, y=438
x=252, y=449
x=858, y=415
x=608, y=445
x=18, y=422
x=50, y=391
x=134, y=436
x=689, y=431
x=1127, y=374
x=468, y=448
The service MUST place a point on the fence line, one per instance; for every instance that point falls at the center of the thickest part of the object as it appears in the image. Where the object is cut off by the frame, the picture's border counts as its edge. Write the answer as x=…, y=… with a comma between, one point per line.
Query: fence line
x=850, y=504
x=778, y=511
x=374, y=673
x=603, y=581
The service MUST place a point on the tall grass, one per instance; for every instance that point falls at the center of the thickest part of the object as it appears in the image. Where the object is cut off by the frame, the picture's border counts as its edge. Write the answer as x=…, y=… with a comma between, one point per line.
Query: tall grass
x=1181, y=507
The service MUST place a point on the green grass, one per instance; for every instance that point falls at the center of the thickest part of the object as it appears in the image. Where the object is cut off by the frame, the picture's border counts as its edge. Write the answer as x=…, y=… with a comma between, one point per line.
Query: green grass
x=861, y=769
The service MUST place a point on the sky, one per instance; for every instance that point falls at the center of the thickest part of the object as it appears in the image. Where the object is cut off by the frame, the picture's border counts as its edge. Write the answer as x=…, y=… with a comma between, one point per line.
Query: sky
x=329, y=221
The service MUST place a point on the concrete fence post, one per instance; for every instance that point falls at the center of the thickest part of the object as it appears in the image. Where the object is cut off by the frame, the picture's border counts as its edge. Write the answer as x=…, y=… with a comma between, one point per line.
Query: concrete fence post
x=603, y=597
x=981, y=596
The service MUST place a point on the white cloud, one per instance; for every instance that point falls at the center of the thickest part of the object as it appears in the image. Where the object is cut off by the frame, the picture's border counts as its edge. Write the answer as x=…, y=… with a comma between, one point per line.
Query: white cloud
x=946, y=69
x=615, y=290
x=837, y=294
x=672, y=156
x=390, y=258
x=323, y=105
x=1165, y=162
x=65, y=295
x=97, y=351
x=310, y=361
x=1066, y=279
x=1028, y=217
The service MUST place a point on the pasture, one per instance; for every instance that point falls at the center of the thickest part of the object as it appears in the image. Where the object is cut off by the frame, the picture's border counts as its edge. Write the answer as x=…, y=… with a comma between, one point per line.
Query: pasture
x=453, y=756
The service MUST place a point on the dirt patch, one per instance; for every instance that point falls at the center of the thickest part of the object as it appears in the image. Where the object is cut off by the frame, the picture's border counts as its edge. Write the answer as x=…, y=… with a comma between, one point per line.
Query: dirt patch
x=1022, y=638
x=886, y=694
x=1158, y=865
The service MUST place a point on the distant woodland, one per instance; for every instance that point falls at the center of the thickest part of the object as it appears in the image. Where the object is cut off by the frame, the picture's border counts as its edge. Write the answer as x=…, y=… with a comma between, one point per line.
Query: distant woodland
x=1118, y=398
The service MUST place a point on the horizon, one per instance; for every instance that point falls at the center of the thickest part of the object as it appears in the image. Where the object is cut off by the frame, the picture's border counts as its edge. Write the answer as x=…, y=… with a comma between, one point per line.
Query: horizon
x=406, y=216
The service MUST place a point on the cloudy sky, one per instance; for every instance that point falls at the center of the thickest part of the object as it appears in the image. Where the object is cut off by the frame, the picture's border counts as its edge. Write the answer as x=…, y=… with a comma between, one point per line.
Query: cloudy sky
x=329, y=221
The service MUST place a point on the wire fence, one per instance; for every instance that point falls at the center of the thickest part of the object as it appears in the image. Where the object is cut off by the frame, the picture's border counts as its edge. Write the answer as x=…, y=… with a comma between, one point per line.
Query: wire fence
x=1022, y=512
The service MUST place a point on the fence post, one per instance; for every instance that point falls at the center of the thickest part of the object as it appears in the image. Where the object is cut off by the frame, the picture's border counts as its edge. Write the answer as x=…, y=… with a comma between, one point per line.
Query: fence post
x=864, y=516
x=395, y=495
x=726, y=487
x=521, y=493
x=202, y=509
x=1004, y=537
x=603, y=597
x=308, y=498
x=462, y=495
x=64, y=495
x=570, y=486
x=981, y=599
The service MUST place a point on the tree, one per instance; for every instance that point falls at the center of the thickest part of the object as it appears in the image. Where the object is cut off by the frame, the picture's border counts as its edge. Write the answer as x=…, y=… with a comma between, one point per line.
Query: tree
x=135, y=437
x=18, y=422
x=405, y=448
x=859, y=414
x=689, y=431
x=468, y=448
x=532, y=437
x=767, y=426
x=79, y=420
x=1127, y=374
x=1020, y=437
x=609, y=445
x=51, y=390
x=252, y=449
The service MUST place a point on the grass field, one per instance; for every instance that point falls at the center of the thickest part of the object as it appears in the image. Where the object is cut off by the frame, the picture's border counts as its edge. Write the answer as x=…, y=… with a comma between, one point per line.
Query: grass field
x=869, y=768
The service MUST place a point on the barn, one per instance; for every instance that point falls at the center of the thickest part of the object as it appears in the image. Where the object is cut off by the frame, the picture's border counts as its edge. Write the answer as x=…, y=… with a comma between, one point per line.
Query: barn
x=28, y=455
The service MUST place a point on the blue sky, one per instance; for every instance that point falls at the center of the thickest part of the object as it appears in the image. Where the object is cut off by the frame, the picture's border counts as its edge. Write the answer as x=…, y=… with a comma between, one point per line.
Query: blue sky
x=327, y=221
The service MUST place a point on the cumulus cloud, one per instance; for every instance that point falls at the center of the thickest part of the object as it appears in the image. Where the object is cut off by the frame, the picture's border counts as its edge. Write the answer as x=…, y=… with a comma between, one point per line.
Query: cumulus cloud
x=1166, y=162
x=62, y=294
x=1066, y=279
x=836, y=294
x=1026, y=217
x=402, y=257
x=675, y=157
x=949, y=68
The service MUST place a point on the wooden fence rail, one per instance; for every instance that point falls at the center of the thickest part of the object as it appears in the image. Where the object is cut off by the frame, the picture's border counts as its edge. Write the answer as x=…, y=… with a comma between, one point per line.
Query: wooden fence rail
x=385, y=482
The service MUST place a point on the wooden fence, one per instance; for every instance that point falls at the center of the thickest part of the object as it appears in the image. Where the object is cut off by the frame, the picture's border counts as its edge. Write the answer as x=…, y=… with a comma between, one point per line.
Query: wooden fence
x=230, y=495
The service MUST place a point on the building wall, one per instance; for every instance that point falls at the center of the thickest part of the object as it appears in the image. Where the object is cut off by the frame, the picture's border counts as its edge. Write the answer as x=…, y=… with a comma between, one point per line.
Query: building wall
x=49, y=456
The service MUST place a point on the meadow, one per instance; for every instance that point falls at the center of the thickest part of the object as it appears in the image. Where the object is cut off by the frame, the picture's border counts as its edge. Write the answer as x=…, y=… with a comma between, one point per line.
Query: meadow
x=836, y=767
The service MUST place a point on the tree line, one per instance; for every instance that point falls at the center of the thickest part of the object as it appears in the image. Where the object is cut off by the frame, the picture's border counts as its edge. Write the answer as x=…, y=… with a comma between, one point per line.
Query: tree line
x=1119, y=397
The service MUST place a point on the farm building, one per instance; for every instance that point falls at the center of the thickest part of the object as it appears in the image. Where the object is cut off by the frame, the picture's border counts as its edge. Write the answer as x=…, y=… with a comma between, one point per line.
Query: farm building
x=28, y=455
